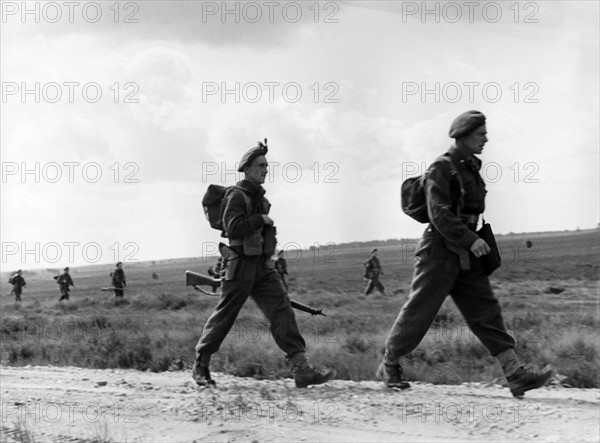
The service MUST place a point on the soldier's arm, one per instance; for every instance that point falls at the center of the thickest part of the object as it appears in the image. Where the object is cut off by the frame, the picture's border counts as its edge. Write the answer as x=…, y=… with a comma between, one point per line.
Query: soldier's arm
x=439, y=207
x=237, y=221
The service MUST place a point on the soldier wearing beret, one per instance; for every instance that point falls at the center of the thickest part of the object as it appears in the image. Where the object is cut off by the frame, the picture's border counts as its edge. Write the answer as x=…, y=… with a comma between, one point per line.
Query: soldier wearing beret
x=448, y=262
x=249, y=273
x=372, y=271
x=64, y=282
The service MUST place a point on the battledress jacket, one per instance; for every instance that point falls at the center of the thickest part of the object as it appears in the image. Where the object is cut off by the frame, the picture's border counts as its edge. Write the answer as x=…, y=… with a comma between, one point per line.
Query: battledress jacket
x=241, y=222
x=442, y=191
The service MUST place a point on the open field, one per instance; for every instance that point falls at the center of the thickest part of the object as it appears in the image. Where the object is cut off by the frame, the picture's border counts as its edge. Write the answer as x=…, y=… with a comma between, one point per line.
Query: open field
x=549, y=294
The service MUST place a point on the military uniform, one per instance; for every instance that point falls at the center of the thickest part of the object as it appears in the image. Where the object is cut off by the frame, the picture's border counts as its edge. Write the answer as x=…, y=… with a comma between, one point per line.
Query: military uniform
x=18, y=282
x=372, y=271
x=249, y=273
x=250, y=276
x=64, y=282
x=118, y=281
x=444, y=265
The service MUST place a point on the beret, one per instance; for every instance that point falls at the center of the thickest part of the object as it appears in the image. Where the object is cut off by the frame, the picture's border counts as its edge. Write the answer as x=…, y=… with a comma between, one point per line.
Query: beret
x=374, y=250
x=465, y=123
x=66, y=269
x=249, y=156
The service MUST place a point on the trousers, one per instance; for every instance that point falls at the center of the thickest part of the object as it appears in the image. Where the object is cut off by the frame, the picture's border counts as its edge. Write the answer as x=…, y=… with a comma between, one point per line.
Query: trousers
x=374, y=282
x=252, y=277
x=436, y=275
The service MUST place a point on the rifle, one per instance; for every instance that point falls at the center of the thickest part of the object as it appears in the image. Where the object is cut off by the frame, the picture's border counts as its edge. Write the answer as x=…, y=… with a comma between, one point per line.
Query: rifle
x=112, y=288
x=195, y=279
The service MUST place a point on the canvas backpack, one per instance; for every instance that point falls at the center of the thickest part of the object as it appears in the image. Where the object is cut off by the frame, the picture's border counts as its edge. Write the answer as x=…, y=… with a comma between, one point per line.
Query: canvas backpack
x=214, y=204
x=412, y=193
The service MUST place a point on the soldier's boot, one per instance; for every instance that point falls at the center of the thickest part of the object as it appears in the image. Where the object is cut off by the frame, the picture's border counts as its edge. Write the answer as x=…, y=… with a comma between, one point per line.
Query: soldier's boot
x=392, y=375
x=201, y=373
x=306, y=374
x=526, y=379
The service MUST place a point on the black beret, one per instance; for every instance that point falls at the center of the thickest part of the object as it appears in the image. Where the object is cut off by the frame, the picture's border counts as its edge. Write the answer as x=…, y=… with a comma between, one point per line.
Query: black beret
x=374, y=250
x=249, y=156
x=66, y=269
x=466, y=123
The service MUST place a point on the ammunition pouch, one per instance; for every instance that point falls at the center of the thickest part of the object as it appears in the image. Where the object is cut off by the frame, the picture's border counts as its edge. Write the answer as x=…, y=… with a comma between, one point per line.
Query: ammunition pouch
x=261, y=242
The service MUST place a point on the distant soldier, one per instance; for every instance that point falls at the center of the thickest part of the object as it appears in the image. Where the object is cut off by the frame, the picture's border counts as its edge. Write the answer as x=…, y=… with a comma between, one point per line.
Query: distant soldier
x=528, y=244
x=18, y=283
x=281, y=267
x=372, y=271
x=216, y=271
x=118, y=280
x=64, y=282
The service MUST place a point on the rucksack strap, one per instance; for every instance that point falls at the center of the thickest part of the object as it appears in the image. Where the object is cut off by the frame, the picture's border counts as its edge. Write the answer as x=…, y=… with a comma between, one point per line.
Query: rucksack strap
x=455, y=172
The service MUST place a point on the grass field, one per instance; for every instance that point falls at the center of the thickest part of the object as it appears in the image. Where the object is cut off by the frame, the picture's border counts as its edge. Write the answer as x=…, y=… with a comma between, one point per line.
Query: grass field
x=549, y=294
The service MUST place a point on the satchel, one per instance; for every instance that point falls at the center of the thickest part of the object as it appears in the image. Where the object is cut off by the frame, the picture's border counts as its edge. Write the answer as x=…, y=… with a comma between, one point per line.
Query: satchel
x=492, y=260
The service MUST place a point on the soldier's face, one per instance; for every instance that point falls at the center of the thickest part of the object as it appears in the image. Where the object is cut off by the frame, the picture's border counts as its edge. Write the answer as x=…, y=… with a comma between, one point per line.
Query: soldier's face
x=475, y=141
x=258, y=170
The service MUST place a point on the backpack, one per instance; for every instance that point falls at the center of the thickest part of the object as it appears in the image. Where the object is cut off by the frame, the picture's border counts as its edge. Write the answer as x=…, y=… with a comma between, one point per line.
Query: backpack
x=412, y=193
x=214, y=204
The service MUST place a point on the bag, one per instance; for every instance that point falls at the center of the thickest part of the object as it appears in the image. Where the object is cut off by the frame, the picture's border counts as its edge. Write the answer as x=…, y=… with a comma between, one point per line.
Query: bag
x=492, y=260
x=213, y=203
x=412, y=193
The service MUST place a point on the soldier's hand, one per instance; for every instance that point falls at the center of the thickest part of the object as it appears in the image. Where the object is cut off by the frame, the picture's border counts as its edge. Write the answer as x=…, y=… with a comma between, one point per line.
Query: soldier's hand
x=268, y=221
x=480, y=247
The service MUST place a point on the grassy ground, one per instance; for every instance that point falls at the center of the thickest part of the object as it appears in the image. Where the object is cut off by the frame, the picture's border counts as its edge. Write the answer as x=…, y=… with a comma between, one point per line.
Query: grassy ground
x=549, y=295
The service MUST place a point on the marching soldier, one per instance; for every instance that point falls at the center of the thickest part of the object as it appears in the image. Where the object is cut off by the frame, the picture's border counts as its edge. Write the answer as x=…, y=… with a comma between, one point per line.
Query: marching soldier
x=251, y=235
x=448, y=261
x=372, y=271
x=64, y=282
x=18, y=283
x=118, y=280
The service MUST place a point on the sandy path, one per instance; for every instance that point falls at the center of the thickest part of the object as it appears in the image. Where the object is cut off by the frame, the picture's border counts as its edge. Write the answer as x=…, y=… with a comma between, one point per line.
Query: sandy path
x=74, y=404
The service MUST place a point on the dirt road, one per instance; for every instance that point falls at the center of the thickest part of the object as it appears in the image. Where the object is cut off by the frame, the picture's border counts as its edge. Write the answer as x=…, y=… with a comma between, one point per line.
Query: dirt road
x=74, y=404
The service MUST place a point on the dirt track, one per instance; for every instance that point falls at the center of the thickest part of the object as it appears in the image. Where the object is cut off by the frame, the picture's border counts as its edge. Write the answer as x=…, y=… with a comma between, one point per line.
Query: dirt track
x=74, y=404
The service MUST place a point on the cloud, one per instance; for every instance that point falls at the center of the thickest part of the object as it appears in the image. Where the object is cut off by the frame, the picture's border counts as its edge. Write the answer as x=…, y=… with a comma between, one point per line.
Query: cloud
x=221, y=24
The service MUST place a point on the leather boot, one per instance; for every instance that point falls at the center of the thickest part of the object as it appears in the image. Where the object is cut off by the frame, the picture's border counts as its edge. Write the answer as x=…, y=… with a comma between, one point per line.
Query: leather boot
x=391, y=375
x=526, y=379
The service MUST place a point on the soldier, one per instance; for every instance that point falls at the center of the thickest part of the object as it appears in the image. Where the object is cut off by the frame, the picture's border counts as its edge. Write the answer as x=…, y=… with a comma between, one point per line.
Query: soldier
x=64, y=281
x=448, y=262
x=281, y=267
x=372, y=271
x=118, y=280
x=248, y=273
x=18, y=283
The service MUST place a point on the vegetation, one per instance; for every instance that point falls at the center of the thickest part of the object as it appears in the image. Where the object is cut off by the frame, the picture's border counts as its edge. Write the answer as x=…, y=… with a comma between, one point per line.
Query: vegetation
x=549, y=295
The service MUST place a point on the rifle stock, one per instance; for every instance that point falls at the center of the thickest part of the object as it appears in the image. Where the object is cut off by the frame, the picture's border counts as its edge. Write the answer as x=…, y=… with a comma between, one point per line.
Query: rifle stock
x=196, y=279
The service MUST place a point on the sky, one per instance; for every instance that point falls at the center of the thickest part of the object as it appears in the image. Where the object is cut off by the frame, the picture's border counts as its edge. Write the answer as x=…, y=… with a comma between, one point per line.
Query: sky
x=115, y=117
